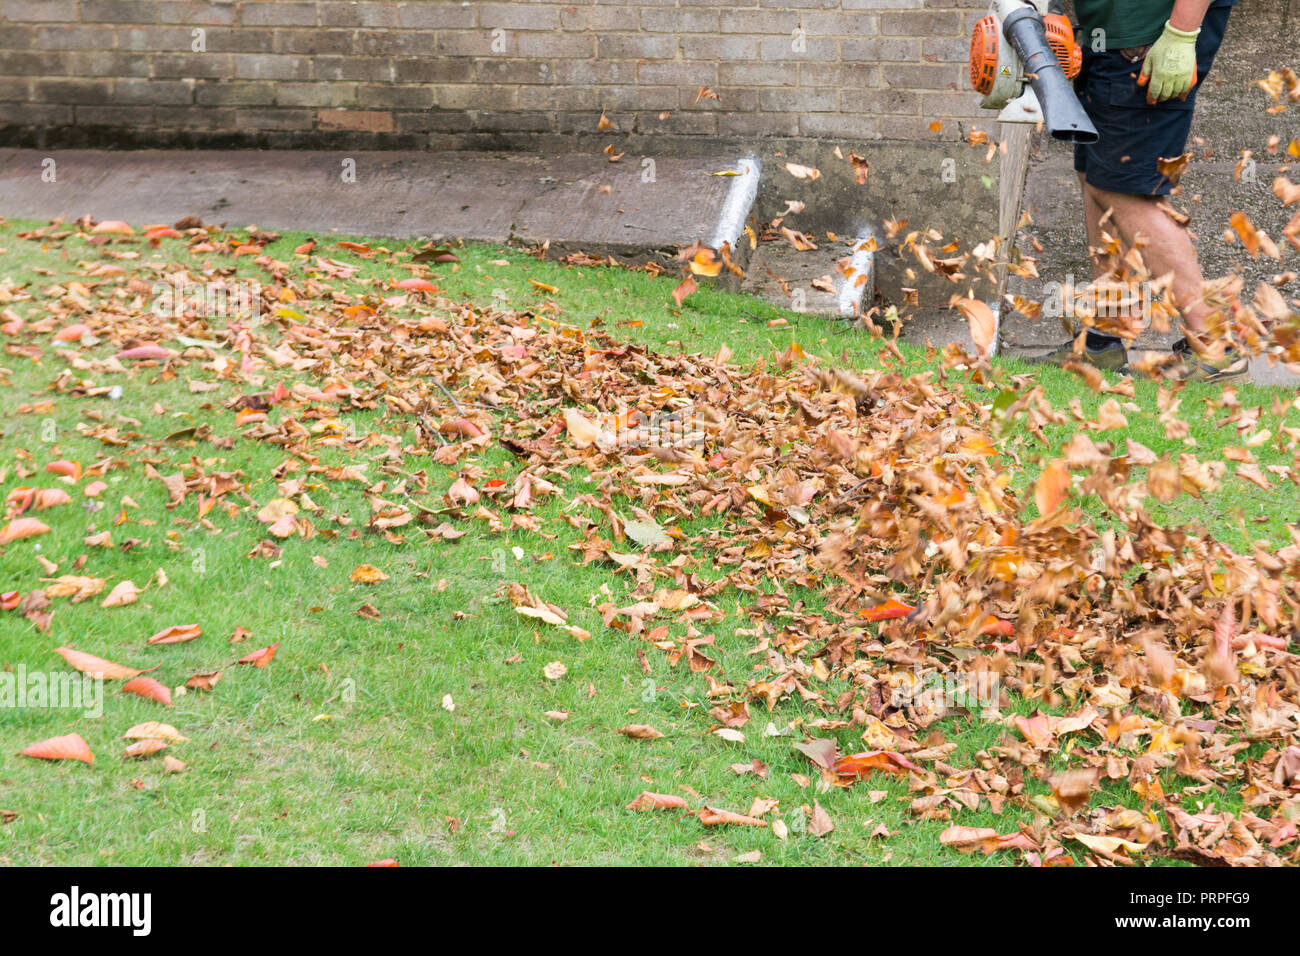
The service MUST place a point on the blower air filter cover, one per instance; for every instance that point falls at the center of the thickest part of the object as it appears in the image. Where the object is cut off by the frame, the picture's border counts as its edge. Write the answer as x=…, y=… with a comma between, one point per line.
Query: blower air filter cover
x=1060, y=37
x=984, y=54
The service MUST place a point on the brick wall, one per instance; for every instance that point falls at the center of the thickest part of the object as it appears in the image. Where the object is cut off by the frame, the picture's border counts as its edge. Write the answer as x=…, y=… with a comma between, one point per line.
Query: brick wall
x=274, y=72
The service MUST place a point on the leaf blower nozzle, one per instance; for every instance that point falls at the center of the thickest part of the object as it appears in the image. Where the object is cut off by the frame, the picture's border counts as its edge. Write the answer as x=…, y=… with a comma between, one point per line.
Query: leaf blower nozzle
x=1063, y=115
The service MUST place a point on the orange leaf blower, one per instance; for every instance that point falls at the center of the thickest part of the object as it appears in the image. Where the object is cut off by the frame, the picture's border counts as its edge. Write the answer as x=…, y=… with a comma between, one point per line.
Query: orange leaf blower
x=1022, y=58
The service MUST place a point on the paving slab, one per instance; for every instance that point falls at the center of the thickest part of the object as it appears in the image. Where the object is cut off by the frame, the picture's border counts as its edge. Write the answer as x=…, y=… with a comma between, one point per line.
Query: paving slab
x=575, y=200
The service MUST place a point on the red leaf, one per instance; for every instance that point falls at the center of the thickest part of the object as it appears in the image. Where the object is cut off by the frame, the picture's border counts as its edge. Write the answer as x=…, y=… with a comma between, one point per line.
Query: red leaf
x=149, y=689
x=67, y=747
x=996, y=627
x=888, y=611
x=887, y=761
x=260, y=658
x=69, y=469
x=144, y=352
x=417, y=285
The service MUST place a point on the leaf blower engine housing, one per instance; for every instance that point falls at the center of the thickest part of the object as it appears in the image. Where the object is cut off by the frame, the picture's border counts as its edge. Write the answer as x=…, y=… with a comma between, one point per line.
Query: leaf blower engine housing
x=1022, y=59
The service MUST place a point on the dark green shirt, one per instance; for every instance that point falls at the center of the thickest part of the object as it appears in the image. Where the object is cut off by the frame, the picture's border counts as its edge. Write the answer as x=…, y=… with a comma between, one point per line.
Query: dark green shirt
x=1126, y=22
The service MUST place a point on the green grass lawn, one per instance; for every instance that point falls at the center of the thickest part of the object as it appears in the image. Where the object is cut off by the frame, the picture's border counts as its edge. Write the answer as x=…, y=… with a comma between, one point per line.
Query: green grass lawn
x=423, y=736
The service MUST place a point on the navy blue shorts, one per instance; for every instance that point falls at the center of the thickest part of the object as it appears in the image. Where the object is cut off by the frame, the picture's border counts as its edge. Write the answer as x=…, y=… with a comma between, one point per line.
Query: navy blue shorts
x=1133, y=133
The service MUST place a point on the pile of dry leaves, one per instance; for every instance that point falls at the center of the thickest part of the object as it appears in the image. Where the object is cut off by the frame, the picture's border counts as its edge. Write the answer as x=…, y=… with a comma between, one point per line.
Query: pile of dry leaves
x=890, y=574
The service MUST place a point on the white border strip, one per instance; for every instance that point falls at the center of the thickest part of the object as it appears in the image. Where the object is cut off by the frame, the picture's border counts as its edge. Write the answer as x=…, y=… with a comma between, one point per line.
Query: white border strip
x=863, y=262
x=996, y=307
x=735, y=208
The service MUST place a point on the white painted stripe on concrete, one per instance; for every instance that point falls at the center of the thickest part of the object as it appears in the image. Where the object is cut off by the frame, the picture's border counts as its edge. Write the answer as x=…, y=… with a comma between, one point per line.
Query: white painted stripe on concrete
x=863, y=262
x=735, y=208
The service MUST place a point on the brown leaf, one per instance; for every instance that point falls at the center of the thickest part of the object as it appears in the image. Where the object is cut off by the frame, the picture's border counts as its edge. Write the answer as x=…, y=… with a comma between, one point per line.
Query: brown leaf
x=1073, y=788
x=983, y=325
x=144, y=748
x=712, y=817
x=1173, y=167
x=582, y=432
x=367, y=574
x=821, y=751
x=886, y=761
x=819, y=821
x=860, y=168
x=984, y=839
x=203, y=681
x=176, y=634
x=1036, y=729
x=154, y=728
x=648, y=800
x=684, y=288
x=1050, y=489
x=124, y=593
x=1164, y=480
x=640, y=732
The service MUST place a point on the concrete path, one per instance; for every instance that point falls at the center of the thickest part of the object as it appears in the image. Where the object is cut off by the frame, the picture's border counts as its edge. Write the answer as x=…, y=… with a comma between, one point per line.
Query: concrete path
x=576, y=201
x=580, y=200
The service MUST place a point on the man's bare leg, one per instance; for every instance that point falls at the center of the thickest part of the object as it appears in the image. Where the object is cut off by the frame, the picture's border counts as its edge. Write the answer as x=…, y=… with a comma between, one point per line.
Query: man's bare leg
x=1092, y=213
x=1168, y=248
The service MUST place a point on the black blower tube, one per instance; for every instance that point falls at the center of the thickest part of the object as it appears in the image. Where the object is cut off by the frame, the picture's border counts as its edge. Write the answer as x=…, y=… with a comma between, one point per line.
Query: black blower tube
x=1063, y=115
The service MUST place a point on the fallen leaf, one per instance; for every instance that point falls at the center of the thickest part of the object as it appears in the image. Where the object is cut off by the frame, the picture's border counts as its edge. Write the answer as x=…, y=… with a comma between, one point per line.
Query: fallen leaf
x=711, y=817
x=22, y=528
x=367, y=574
x=149, y=689
x=124, y=593
x=153, y=728
x=176, y=634
x=67, y=747
x=819, y=821
x=144, y=748
x=640, y=732
x=97, y=666
x=657, y=801
x=260, y=657
x=203, y=681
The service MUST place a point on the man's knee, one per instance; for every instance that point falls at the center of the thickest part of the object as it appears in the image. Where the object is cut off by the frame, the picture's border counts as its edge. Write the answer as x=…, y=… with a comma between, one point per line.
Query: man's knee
x=1108, y=199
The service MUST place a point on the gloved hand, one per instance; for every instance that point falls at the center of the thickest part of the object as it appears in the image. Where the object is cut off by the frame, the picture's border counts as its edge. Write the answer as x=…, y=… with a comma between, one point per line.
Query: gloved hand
x=1170, y=65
